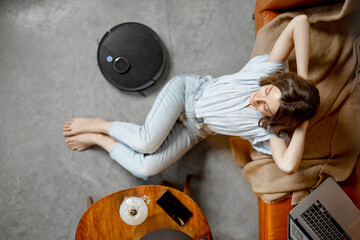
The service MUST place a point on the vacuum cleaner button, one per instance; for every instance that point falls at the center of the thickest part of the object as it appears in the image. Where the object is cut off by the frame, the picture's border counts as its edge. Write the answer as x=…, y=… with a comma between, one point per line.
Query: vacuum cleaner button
x=121, y=65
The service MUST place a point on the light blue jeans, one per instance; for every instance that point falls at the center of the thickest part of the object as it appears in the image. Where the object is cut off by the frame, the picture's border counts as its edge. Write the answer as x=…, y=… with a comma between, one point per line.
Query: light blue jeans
x=170, y=130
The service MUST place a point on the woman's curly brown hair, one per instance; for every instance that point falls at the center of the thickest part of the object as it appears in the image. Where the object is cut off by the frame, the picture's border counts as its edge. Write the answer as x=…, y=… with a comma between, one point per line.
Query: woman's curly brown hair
x=299, y=101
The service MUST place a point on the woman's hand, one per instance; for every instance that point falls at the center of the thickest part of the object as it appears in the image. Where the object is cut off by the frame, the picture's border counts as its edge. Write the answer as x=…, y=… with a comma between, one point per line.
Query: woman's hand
x=303, y=126
x=288, y=158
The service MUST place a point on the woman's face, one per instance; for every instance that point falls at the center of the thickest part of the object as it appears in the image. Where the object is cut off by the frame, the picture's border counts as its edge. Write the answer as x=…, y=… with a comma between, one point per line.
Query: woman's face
x=266, y=100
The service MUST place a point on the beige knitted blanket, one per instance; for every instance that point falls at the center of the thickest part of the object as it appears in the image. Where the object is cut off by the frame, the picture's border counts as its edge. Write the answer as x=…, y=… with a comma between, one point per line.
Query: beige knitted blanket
x=333, y=137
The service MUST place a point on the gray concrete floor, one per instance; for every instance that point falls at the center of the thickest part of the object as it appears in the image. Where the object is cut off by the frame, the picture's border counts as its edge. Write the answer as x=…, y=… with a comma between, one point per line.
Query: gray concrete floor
x=49, y=74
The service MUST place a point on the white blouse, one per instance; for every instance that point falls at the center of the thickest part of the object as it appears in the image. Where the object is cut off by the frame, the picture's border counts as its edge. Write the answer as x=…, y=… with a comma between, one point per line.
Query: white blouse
x=222, y=105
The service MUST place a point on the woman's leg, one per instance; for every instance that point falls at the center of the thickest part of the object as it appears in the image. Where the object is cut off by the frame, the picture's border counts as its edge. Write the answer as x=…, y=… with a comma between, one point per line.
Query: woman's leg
x=85, y=141
x=86, y=125
x=177, y=143
x=148, y=137
x=159, y=121
x=172, y=140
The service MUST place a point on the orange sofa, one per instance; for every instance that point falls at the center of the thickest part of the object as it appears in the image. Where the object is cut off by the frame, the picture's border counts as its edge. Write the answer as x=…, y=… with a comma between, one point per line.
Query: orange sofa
x=273, y=218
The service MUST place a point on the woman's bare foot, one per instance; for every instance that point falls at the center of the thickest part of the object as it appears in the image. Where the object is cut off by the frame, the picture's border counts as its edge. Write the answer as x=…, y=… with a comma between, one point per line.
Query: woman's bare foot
x=81, y=142
x=85, y=141
x=86, y=125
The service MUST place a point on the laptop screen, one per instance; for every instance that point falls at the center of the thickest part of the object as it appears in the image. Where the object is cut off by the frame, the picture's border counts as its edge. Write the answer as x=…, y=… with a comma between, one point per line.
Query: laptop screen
x=296, y=231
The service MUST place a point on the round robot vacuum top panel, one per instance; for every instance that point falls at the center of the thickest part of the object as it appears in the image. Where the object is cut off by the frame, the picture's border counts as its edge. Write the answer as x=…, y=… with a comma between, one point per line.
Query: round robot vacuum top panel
x=131, y=56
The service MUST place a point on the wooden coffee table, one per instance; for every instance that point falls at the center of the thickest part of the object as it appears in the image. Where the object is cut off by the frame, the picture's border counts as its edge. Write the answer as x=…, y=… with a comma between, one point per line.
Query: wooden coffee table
x=102, y=219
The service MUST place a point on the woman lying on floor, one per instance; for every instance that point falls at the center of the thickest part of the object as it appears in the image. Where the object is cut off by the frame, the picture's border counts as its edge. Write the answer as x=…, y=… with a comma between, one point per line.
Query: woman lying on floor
x=262, y=103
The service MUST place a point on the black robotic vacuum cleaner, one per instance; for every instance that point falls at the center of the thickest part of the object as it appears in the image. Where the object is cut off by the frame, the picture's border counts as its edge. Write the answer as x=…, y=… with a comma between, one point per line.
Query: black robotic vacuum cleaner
x=131, y=56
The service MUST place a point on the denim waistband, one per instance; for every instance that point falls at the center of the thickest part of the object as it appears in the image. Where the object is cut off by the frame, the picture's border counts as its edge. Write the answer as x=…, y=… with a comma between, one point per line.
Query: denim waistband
x=188, y=117
x=204, y=81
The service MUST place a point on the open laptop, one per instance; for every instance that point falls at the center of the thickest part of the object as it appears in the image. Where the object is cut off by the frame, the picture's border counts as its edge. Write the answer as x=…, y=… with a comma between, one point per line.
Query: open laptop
x=327, y=213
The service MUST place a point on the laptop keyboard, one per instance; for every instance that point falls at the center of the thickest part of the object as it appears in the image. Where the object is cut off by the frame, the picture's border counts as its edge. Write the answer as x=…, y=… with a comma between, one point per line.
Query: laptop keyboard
x=322, y=223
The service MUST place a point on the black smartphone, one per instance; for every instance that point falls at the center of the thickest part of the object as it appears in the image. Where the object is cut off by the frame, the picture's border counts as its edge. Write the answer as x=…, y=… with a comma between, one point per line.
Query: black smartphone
x=174, y=208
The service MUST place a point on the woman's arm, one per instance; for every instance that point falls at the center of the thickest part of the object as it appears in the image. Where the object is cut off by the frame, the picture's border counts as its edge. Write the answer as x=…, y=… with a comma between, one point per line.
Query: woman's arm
x=288, y=158
x=296, y=34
